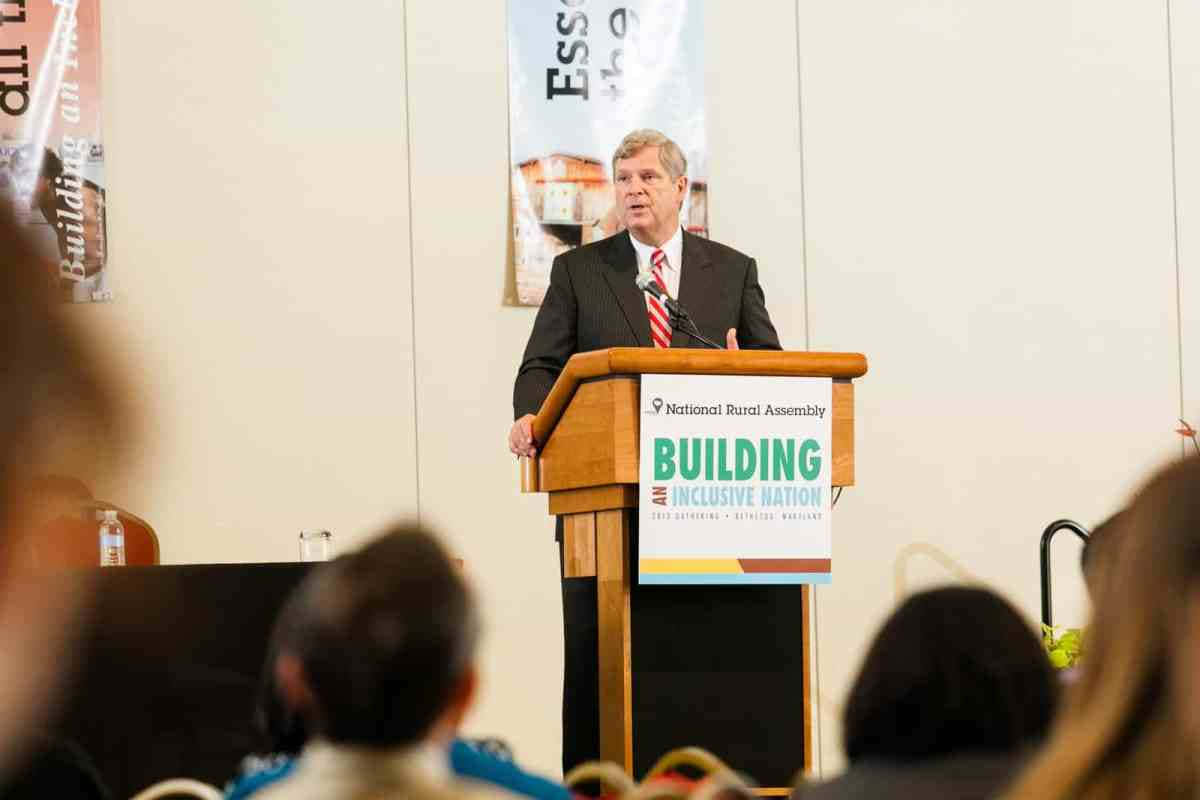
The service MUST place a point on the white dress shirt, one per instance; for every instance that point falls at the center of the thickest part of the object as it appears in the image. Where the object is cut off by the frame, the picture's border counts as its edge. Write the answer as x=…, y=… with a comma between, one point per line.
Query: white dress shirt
x=673, y=249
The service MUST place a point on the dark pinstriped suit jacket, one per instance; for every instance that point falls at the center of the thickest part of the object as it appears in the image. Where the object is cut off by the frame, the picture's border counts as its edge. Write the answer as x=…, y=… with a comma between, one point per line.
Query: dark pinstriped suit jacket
x=593, y=303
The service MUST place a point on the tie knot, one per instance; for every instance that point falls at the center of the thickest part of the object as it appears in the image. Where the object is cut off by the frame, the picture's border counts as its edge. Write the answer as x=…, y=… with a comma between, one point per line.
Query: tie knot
x=658, y=258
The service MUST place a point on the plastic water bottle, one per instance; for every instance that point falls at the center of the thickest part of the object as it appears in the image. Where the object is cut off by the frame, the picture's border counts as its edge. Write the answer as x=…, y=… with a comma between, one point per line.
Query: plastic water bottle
x=112, y=540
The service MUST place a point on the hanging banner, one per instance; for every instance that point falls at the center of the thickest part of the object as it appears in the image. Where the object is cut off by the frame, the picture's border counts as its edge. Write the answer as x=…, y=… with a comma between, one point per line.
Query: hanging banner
x=582, y=74
x=735, y=480
x=51, y=144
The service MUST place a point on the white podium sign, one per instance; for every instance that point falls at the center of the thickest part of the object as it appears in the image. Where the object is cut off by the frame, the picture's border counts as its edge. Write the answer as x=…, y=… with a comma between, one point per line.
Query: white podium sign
x=735, y=479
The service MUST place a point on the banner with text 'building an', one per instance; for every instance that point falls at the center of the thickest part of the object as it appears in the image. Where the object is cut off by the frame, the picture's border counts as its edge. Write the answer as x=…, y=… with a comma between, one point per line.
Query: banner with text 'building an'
x=735, y=480
x=582, y=74
x=51, y=144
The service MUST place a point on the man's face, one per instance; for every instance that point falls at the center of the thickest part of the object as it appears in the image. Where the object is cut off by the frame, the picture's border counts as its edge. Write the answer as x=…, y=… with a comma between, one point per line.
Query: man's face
x=648, y=200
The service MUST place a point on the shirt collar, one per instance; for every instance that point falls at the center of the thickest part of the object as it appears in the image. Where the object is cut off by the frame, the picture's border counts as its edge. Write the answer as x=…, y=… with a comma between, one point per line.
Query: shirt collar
x=673, y=248
x=426, y=762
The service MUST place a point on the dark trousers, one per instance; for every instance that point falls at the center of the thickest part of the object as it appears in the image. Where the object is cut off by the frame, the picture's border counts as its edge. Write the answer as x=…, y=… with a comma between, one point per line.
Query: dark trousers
x=719, y=667
x=581, y=673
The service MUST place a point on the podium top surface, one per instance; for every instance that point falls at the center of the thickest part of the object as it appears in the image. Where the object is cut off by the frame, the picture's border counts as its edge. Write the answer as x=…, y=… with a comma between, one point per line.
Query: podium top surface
x=688, y=361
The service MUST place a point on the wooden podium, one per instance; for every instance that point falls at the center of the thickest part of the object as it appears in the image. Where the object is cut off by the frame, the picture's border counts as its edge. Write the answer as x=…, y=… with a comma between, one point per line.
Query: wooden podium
x=588, y=429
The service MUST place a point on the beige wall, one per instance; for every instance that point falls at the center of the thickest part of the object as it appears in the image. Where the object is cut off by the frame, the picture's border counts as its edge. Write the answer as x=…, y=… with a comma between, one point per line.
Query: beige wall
x=467, y=349
x=1185, y=61
x=984, y=197
x=259, y=218
x=990, y=219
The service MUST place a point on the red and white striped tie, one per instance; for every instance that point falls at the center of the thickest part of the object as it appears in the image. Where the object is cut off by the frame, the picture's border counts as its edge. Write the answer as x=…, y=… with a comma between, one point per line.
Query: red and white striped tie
x=660, y=325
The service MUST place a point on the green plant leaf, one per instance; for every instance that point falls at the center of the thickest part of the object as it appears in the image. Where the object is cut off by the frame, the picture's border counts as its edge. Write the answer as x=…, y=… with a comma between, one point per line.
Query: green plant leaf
x=1063, y=645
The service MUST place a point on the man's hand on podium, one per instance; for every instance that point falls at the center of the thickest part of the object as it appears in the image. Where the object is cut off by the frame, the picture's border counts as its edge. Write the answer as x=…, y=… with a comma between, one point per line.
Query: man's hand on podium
x=520, y=438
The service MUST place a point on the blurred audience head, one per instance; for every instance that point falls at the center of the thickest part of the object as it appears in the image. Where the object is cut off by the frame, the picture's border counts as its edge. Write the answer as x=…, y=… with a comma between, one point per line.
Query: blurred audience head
x=1130, y=725
x=60, y=413
x=376, y=648
x=953, y=670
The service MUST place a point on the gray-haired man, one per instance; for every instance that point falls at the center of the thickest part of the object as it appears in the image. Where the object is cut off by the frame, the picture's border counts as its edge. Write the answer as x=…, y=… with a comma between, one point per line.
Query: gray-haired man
x=593, y=303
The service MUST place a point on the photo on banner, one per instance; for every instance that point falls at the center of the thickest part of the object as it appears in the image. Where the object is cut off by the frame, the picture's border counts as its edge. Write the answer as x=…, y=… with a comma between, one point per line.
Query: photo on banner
x=51, y=139
x=581, y=76
x=735, y=479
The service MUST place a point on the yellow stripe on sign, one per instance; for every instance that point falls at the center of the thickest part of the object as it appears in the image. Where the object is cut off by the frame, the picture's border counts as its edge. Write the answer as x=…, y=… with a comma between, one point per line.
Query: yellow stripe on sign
x=695, y=566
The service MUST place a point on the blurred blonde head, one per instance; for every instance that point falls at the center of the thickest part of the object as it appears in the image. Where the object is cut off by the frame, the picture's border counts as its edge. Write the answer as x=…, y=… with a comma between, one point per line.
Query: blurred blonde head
x=1128, y=728
x=59, y=413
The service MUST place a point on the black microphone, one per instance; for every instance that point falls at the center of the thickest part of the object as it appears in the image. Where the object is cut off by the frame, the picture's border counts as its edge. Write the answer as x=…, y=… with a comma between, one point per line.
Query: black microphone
x=645, y=281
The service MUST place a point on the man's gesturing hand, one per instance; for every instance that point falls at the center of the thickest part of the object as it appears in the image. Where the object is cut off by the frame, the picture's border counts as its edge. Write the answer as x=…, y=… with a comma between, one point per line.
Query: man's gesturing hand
x=520, y=438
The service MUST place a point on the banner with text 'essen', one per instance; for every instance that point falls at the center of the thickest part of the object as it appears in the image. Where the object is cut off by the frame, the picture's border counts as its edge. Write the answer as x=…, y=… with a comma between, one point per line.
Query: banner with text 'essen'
x=583, y=74
x=735, y=480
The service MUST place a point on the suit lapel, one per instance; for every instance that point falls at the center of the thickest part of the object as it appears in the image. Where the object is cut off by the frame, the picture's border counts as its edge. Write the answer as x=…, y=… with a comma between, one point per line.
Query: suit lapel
x=697, y=283
x=622, y=263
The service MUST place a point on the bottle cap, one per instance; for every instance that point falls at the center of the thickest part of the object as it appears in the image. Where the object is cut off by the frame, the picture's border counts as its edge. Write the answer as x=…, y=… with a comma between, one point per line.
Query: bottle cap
x=110, y=515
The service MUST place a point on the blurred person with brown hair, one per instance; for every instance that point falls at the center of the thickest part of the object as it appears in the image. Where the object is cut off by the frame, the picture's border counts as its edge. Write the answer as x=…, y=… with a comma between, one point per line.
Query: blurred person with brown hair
x=954, y=691
x=59, y=413
x=1130, y=725
x=375, y=654
x=285, y=734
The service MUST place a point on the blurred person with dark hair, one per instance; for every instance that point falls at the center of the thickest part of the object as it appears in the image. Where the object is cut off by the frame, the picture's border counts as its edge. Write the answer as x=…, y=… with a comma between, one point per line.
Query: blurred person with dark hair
x=374, y=655
x=954, y=691
x=60, y=413
x=284, y=735
x=1130, y=724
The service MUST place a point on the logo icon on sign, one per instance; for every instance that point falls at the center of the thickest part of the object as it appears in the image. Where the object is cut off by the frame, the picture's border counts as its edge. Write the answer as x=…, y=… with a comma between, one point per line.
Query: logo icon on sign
x=657, y=404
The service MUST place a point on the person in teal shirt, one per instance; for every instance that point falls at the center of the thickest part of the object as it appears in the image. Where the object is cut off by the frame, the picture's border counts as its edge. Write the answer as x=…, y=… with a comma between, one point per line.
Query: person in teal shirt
x=285, y=733
x=483, y=760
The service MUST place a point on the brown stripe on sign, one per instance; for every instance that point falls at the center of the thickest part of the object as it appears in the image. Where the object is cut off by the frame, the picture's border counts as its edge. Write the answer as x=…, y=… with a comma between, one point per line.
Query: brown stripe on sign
x=785, y=564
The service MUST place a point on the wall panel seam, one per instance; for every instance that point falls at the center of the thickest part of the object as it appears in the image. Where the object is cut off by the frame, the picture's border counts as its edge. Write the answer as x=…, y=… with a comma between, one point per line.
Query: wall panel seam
x=1175, y=208
x=412, y=264
x=803, y=174
x=813, y=691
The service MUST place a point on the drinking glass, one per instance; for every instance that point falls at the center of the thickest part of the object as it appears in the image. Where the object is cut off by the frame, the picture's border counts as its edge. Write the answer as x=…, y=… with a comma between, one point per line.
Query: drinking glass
x=316, y=545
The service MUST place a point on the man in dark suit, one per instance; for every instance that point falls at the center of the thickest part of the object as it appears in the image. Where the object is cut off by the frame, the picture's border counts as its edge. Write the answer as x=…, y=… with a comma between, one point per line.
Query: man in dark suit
x=593, y=303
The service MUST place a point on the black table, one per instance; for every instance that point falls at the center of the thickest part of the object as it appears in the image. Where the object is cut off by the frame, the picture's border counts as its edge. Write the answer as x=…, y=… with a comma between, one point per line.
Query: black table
x=168, y=670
